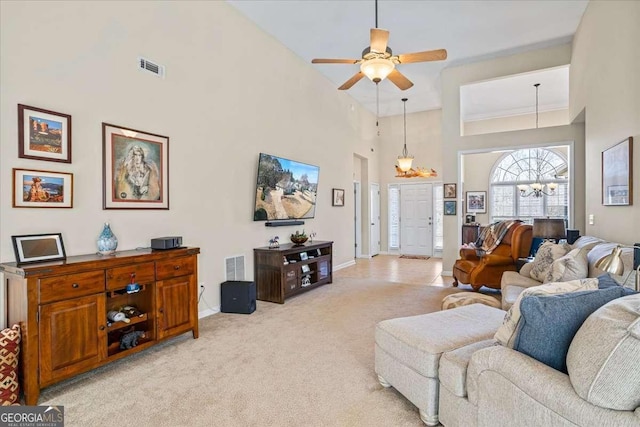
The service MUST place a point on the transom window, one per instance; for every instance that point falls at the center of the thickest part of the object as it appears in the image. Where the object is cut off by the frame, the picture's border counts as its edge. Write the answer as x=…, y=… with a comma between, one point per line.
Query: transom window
x=526, y=167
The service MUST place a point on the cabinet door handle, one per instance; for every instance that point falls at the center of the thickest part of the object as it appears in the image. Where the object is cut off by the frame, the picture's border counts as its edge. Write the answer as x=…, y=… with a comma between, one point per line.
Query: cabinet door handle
x=102, y=327
x=176, y=267
x=75, y=286
x=161, y=310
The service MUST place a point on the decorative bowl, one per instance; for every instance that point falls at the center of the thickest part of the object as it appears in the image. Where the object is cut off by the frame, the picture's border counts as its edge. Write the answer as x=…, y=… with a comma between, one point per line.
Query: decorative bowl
x=298, y=240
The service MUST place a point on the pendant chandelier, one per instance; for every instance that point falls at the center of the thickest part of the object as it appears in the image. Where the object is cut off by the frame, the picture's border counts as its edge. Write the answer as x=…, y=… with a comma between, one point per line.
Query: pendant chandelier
x=405, y=160
x=403, y=168
x=537, y=189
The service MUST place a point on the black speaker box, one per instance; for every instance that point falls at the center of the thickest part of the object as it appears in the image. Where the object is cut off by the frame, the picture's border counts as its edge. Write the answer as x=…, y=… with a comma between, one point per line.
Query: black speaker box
x=636, y=256
x=572, y=236
x=238, y=297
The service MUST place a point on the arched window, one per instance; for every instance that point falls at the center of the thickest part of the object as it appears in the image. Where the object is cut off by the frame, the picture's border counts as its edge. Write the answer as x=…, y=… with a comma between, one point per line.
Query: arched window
x=538, y=166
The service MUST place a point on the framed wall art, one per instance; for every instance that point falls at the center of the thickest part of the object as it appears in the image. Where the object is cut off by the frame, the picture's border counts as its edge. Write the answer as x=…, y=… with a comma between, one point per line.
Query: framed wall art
x=338, y=197
x=135, y=168
x=38, y=248
x=476, y=201
x=42, y=189
x=450, y=207
x=449, y=191
x=43, y=134
x=617, y=174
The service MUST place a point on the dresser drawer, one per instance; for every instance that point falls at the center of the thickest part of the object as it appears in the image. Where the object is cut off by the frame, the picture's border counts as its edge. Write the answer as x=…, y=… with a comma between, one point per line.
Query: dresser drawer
x=59, y=288
x=175, y=267
x=120, y=277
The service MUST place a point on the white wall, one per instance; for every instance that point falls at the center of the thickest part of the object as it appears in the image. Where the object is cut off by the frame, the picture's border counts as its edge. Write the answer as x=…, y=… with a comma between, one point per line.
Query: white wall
x=217, y=105
x=605, y=84
x=517, y=122
x=452, y=79
x=424, y=142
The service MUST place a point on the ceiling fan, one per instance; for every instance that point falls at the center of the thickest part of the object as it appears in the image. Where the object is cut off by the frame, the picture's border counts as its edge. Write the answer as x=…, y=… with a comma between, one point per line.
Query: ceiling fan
x=378, y=61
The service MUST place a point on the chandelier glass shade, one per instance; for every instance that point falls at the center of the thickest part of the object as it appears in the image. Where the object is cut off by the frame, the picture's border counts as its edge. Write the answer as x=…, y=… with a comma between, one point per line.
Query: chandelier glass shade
x=377, y=69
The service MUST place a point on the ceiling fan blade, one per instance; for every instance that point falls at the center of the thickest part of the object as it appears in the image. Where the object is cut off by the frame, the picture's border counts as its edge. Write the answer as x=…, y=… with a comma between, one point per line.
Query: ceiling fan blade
x=398, y=79
x=429, y=55
x=379, y=39
x=334, y=61
x=353, y=80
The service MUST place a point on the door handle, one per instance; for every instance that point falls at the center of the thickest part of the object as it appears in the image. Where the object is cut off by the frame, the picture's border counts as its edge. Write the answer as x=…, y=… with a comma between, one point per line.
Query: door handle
x=373, y=223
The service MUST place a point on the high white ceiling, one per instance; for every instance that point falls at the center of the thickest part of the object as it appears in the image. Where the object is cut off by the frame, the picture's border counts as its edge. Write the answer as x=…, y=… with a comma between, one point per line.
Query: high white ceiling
x=469, y=30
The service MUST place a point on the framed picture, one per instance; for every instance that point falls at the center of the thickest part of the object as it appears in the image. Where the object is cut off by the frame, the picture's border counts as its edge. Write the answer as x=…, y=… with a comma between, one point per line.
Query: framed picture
x=38, y=248
x=42, y=189
x=449, y=191
x=338, y=197
x=476, y=202
x=617, y=173
x=450, y=207
x=135, y=166
x=43, y=134
x=303, y=256
x=305, y=268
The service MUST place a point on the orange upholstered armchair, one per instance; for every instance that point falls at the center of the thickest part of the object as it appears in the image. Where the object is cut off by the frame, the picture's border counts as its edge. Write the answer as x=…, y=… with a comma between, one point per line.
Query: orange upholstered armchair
x=486, y=270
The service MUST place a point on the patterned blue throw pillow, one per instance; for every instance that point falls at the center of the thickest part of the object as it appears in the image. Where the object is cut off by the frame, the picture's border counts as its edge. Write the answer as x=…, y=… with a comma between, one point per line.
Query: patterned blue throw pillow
x=548, y=323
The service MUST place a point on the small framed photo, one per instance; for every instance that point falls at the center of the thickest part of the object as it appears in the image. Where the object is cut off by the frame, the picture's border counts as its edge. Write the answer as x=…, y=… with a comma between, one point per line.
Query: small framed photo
x=318, y=253
x=135, y=167
x=42, y=189
x=617, y=174
x=338, y=197
x=449, y=191
x=303, y=256
x=38, y=248
x=43, y=134
x=450, y=207
x=476, y=202
x=305, y=268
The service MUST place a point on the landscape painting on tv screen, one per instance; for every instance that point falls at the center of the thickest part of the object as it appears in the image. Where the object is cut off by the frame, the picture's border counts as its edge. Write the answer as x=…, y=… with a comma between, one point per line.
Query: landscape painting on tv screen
x=285, y=189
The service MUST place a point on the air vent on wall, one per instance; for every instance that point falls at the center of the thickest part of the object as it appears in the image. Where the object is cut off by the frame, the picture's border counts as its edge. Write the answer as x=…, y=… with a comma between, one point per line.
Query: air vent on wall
x=152, y=67
x=234, y=268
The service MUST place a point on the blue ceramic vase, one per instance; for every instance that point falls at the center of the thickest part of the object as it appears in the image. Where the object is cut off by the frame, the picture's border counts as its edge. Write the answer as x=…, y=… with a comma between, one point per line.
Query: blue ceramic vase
x=107, y=241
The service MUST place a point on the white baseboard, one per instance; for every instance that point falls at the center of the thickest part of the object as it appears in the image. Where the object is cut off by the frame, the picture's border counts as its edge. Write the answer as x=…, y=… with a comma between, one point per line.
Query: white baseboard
x=344, y=265
x=208, y=312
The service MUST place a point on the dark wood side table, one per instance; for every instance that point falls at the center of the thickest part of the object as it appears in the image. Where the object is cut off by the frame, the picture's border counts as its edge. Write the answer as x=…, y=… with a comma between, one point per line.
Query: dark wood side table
x=470, y=233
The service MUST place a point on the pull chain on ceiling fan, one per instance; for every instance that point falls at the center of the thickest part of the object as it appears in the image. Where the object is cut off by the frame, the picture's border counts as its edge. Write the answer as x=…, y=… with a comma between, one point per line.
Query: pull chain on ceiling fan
x=378, y=61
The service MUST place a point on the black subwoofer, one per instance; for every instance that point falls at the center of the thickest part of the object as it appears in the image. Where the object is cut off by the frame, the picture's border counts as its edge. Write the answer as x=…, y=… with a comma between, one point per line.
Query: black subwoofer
x=238, y=297
x=572, y=236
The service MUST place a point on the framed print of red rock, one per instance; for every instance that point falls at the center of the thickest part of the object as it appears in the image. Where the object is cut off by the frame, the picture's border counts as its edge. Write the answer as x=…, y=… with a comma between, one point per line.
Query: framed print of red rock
x=135, y=168
x=43, y=134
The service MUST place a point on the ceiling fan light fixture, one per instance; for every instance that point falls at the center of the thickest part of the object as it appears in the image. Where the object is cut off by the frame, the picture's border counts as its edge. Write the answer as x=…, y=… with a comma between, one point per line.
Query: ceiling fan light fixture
x=377, y=69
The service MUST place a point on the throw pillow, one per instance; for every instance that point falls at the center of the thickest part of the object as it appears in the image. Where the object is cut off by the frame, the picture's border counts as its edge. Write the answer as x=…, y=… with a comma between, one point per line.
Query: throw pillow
x=548, y=323
x=506, y=333
x=572, y=266
x=9, y=349
x=606, y=281
x=604, y=356
x=547, y=253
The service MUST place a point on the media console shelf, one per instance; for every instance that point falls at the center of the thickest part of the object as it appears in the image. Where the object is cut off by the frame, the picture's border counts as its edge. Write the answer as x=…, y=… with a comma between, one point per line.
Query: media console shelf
x=62, y=309
x=283, y=272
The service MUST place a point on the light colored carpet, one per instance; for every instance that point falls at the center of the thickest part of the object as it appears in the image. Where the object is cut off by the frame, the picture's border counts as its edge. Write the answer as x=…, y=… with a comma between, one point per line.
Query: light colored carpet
x=308, y=362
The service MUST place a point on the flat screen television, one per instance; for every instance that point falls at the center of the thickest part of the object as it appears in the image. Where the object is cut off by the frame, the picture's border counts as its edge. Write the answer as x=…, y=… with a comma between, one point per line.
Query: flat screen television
x=285, y=189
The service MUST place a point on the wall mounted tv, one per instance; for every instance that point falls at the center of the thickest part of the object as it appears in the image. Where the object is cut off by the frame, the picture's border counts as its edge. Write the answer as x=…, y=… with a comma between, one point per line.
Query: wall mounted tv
x=285, y=189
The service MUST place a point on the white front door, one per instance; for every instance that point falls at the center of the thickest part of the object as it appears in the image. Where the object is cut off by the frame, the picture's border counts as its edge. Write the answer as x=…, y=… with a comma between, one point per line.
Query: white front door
x=416, y=219
x=375, y=220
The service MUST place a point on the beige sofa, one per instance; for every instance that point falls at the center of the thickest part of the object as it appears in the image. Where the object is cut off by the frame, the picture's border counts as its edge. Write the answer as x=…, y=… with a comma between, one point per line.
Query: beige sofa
x=514, y=282
x=450, y=367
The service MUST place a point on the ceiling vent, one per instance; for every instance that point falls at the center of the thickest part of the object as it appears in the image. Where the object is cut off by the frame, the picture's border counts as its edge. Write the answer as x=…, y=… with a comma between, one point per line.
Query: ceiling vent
x=151, y=67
